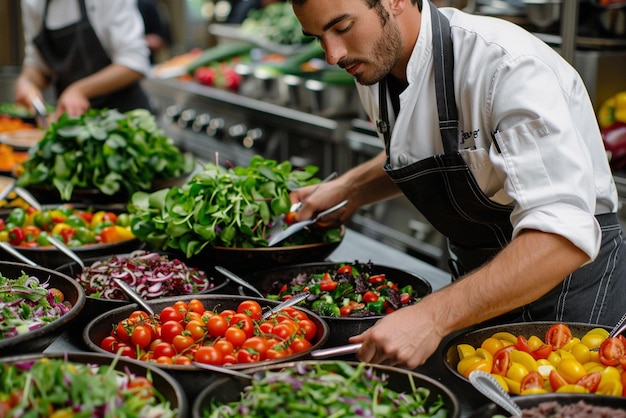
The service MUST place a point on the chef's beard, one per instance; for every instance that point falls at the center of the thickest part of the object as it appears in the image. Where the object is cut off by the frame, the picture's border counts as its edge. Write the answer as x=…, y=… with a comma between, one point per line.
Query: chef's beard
x=386, y=52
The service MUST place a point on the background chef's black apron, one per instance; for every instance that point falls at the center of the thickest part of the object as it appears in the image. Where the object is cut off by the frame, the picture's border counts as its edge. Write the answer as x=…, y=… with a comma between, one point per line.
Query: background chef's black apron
x=445, y=191
x=75, y=52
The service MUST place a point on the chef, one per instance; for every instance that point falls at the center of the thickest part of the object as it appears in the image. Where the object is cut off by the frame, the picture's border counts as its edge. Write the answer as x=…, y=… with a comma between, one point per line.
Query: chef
x=492, y=136
x=93, y=52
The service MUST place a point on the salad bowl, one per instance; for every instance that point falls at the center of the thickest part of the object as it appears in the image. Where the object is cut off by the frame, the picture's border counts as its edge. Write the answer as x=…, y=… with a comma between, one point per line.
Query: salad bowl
x=194, y=379
x=40, y=337
x=282, y=378
x=271, y=281
x=170, y=400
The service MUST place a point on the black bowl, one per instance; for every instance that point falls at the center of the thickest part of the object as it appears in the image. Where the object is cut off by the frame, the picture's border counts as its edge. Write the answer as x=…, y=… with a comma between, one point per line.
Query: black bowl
x=245, y=260
x=229, y=389
x=163, y=383
x=95, y=306
x=341, y=328
x=37, y=340
x=191, y=378
x=51, y=257
x=477, y=336
x=531, y=401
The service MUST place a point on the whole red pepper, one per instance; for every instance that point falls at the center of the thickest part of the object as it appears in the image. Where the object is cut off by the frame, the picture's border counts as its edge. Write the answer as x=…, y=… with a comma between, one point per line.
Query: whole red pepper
x=16, y=236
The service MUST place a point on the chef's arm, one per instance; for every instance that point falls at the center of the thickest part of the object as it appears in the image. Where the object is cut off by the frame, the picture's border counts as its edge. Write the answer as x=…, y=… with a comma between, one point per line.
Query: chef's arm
x=75, y=98
x=30, y=83
x=530, y=266
x=364, y=184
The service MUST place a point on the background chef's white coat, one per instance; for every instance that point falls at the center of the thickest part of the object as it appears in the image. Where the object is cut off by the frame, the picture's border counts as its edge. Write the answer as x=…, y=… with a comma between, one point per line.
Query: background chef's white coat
x=551, y=164
x=117, y=23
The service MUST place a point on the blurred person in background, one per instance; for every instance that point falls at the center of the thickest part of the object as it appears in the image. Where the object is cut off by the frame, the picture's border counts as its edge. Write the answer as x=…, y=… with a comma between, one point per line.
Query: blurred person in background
x=93, y=52
x=158, y=36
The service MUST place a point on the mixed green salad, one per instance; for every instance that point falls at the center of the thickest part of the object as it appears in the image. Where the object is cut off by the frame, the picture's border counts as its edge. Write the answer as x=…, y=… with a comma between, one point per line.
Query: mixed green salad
x=233, y=207
x=347, y=290
x=27, y=303
x=55, y=387
x=334, y=389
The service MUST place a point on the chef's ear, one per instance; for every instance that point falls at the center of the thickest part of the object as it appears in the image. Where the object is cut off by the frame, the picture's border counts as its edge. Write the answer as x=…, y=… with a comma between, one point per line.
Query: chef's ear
x=396, y=6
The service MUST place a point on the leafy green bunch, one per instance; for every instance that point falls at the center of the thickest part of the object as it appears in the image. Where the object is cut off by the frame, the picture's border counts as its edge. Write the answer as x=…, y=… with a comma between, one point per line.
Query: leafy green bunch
x=221, y=207
x=107, y=150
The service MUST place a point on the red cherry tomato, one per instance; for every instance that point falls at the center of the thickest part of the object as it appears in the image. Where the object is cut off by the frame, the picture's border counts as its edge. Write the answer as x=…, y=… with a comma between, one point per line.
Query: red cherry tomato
x=531, y=380
x=558, y=335
x=611, y=351
x=591, y=381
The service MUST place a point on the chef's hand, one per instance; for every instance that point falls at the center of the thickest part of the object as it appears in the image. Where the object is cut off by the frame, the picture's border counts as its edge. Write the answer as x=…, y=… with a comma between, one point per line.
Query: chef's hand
x=73, y=102
x=405, y=338
x=326, y=196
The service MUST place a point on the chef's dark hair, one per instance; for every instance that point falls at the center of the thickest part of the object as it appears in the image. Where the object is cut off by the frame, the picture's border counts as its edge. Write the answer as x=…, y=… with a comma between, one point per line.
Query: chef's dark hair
x=371, y=3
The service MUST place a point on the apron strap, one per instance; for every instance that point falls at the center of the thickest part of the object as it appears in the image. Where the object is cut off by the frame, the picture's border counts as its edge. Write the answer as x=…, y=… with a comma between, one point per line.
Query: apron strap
x=443, y=56
x=444, y=81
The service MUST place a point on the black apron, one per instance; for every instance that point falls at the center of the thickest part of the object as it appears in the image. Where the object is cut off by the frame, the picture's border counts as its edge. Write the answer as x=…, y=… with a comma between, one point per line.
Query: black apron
x=75, y=52
x=445, y=191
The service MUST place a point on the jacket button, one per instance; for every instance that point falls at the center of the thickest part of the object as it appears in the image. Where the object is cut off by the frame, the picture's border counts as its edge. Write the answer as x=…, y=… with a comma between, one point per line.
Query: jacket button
x=403, y=159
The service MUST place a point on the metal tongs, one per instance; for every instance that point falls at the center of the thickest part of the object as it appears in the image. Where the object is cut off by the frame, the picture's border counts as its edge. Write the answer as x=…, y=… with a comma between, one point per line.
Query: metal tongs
x=292, y=229
x=40, y=112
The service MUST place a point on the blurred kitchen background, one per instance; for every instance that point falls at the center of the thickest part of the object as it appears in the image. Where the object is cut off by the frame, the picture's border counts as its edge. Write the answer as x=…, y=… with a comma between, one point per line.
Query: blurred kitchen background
x=292, y=118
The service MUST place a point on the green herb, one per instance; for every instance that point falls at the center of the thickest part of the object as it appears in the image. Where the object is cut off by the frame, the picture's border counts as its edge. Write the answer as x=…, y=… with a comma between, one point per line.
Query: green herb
x=334, y=389
x=224, y=207
x=106, y=150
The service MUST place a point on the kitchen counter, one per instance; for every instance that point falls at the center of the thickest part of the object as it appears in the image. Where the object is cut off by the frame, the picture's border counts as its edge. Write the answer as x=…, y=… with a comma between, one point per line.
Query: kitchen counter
x=357, y=246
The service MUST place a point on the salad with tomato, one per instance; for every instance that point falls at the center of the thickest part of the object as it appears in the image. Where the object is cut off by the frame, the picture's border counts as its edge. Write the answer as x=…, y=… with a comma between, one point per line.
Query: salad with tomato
x=349, y=290
x=30, y=228
x=556, y=361
x=54, y=387
x=26, y=304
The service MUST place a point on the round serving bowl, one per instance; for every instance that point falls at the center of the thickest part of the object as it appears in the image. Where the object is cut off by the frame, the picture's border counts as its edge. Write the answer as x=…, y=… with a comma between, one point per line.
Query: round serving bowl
x=164, y=384
x=192, y=378
x=95, y=306
x=245, y=260
x=531, y=401
x=476, y=337
x=50, y=257
x=341, y=328
x=37, y=340
x=230, y=389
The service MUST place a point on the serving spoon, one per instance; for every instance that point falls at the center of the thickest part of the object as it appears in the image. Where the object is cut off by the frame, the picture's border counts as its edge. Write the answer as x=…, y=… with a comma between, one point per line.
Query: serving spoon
x=489, y=386
x=232, y=276
x=11, y=250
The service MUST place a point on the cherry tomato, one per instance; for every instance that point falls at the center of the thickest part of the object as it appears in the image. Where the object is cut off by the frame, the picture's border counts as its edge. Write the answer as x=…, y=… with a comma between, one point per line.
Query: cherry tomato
x=208, y=354
x=284, y=330
x=266, y=327
x=308, y=329
x=196, y=329
x=377, y=279
x=345, y=310
x=243, y=321
x=542, y=352
x=258, y=344
x=327, y=284
x=141, y=336
x=109, y=343
x=169, y=313
x=181, y=306
x=122, y=330
x=138, y=316
x=164, y=349
x=164, y=360
x=217, y=325
x=251, y=308
x=591, y=381
x=276, y=353
x=182, y=360
x=196, y=305
x=611, y=351
x=235, y=335
x=299, y=345
x=556, y=380
x=171, y=329
x=558, y=335
x=531, y=380
x=248, y=355
x=182, y=342
x=370, y=296
x=347, y=269
x=502, y=360
x=224, y=346
x=290, y=217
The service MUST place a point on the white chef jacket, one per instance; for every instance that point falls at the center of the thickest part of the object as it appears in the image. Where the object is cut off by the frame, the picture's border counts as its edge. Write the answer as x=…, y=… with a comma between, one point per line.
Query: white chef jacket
x=117, y=24
x=514, y=91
